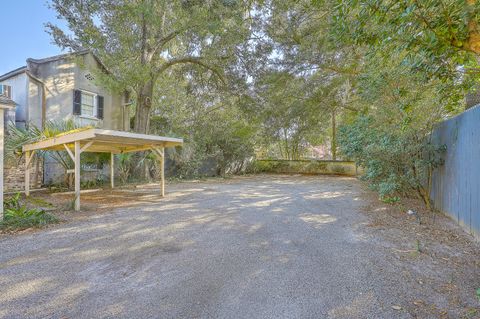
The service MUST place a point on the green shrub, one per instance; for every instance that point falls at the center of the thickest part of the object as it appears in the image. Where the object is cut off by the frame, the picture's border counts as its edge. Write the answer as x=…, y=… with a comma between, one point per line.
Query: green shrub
x=218, y=144
x=12, y=202
x=395, y=162
x=17, y=216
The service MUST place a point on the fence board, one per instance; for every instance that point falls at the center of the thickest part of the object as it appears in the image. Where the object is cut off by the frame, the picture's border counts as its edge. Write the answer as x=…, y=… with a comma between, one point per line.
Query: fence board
x=456, y=184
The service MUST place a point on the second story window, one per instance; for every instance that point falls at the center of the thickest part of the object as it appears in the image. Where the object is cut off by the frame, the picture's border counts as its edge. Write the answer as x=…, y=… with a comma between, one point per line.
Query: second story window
x=87, y=104
x=6, y=90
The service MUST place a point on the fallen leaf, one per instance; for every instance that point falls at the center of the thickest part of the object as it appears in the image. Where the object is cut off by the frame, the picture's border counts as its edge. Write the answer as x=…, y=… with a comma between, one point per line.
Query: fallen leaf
x=418, y=302
x=397, y=307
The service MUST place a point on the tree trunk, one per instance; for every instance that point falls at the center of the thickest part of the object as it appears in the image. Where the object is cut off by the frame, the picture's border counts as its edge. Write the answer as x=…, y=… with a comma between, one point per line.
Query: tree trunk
x=473, y=39
x=333, y=144
x=143, y=108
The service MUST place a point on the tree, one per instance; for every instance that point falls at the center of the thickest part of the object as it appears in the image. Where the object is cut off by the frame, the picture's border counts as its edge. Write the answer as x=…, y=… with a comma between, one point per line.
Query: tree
x=219, y=139
x=288, y=113
x=389, y=69
x=301, y=36
x=440, y=38
x=138, y=41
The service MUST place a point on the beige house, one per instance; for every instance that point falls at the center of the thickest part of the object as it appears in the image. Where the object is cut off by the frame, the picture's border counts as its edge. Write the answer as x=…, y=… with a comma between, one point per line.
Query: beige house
x=60, y=88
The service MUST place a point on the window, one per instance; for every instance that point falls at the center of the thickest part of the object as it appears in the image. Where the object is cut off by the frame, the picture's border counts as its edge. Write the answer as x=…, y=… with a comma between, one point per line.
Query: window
x=6, y=90
x=87, y=104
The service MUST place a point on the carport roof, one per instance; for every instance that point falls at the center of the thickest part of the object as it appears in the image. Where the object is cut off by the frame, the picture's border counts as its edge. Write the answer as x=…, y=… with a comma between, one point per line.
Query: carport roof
x=104, y=141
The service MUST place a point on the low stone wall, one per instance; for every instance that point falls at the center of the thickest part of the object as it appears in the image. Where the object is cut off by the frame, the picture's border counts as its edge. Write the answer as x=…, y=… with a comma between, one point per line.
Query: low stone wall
x=14, y=177
x=307, y=167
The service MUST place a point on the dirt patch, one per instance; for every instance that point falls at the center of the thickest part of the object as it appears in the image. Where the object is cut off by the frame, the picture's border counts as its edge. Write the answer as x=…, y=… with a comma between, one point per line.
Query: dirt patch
x=435, y=256
x=96, y=202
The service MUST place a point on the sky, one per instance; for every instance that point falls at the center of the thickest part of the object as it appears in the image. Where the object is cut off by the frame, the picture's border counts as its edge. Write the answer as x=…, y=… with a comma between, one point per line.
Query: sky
x=23, y=32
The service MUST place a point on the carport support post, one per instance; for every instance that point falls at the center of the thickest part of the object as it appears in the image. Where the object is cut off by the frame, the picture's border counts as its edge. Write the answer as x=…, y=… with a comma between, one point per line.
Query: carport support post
x=77, y=175
x=112, y=171
x=28, y=160
x=162, y=169
x=27, y=174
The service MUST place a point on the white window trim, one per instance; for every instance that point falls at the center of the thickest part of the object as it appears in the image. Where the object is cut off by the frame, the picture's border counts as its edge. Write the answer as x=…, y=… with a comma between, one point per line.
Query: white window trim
x=3, y=91
x=95, y=106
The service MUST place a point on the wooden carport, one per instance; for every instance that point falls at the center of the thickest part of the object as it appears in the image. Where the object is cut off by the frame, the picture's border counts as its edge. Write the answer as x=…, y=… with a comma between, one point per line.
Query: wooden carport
x=99, y=141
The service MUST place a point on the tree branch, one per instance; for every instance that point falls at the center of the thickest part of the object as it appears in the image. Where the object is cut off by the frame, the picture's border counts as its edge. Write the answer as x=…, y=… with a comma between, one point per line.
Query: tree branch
x=192, y=60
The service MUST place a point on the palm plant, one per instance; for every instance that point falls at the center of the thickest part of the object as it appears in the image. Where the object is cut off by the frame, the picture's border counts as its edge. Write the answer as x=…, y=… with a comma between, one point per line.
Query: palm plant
x=17, y=137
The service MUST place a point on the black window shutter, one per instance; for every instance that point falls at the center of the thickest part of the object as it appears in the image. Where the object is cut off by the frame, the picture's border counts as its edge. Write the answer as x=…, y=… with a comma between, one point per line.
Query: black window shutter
x=77, y=102
x=100, y=107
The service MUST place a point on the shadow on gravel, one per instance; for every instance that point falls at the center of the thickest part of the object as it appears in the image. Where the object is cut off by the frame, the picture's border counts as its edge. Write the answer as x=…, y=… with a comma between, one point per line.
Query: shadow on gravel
x=103, y=261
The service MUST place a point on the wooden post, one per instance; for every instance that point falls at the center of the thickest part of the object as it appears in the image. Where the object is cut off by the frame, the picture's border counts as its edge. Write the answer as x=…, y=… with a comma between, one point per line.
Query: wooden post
x=1, y=161
x=28, y=161
x=27, y=173
x=162, y=170
x=112, y=171
x=334, y=136
x=77, y=175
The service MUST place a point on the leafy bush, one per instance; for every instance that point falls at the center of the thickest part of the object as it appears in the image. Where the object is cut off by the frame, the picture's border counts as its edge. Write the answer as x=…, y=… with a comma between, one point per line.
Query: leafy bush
x=124, y=166
x=12, y=202
x=25, y=218
x=17, y=216
x=218, y=144
x=395, y=162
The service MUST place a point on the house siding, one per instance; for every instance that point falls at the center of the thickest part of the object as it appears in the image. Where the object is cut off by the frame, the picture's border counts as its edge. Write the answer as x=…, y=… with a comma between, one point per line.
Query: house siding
x=60, y=78
x=112, y=116
x=19, y=85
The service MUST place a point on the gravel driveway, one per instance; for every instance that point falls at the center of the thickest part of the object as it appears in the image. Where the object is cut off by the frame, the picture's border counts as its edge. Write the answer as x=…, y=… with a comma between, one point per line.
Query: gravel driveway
x=252, y=247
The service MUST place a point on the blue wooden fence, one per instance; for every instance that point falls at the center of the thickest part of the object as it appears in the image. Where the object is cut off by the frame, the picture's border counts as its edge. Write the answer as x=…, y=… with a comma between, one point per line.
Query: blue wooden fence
x=456, y=184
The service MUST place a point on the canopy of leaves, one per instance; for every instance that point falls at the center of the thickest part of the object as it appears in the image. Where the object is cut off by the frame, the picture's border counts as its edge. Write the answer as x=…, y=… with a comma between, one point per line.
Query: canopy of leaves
x=292, y=72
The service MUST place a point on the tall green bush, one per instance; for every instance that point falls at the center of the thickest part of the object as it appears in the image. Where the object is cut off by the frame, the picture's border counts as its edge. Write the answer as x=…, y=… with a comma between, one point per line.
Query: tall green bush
x=395, y=163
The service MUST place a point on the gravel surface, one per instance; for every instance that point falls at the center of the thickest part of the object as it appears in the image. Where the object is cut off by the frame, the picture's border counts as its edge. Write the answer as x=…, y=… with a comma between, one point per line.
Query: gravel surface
x=251, y=247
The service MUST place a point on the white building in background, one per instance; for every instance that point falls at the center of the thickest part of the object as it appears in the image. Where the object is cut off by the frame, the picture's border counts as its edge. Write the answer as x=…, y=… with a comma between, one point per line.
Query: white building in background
x=59, y=88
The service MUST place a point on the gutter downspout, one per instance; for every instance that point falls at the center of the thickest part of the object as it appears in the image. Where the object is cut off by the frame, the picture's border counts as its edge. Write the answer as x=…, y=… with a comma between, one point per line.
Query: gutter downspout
x=44, y=99
x=43, y=120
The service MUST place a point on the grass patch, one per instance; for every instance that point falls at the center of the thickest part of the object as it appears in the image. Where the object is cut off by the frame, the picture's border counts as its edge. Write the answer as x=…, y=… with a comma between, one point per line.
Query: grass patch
x=39, y=202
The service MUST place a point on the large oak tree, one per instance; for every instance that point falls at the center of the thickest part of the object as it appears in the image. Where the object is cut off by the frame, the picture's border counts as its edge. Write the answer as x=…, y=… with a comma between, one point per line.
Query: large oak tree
x=140, y=40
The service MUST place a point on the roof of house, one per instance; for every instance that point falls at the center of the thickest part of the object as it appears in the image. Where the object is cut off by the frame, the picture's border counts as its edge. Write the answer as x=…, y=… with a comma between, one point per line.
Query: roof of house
x=46, y=60
x=5, y=101
x=58, y=57
x=13, y=73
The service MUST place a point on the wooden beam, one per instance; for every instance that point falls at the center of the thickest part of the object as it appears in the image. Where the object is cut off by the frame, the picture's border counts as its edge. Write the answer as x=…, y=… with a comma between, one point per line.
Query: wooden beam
x=29, y=158
x=107, y=139
x=136, y=149
x=128, y=135
x=161, y=154
x=162, y=171
x=69, y=152
x=86, y=146
x=159, y=151
x=77, y=175
x=112, y=171
x=62, y=139
x=27, y=173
